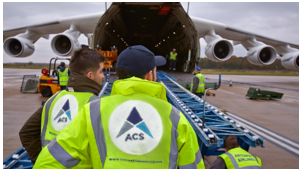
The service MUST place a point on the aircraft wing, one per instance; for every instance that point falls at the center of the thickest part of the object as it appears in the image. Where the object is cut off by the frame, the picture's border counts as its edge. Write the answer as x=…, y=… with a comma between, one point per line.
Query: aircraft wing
x=261, y=50
x=203, y=26
x=157, y=25
x=84, y=23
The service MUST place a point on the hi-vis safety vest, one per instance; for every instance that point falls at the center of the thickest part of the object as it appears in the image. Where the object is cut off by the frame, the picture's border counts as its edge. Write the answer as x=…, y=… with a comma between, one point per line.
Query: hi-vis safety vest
x=59, y=110
x=201, y=85
x=173, y=56
x=135, y=127
x=63, y=77
x=238, y=158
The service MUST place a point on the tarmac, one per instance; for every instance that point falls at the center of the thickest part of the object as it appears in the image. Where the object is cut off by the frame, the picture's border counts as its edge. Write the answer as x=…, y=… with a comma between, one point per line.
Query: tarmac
x=276, y=121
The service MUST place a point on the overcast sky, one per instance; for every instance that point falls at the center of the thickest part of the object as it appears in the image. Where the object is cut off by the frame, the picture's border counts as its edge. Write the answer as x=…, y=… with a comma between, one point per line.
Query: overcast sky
x=275, y=20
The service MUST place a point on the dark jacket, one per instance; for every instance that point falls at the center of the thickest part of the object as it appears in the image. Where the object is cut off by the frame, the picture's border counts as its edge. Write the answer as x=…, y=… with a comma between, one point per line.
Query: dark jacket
x=195, y=84
x=30, y=133
x=219, y=163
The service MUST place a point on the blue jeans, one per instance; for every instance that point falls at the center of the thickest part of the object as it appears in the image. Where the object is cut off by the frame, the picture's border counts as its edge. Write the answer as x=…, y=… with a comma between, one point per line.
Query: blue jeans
x=172, y=64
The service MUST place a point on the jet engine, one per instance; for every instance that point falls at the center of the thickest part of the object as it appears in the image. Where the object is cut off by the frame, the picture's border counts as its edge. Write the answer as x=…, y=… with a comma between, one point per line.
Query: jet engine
x=18, y=46
x=290, y=61
x=262, y=55
x=64, y=44
x=219, y=50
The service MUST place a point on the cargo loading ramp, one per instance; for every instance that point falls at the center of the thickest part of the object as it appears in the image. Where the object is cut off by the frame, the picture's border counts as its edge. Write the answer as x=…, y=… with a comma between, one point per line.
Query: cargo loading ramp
x=217, y=125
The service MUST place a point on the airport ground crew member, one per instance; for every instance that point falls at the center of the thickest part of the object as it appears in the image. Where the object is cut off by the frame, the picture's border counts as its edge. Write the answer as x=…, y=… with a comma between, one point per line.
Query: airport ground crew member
x=64, y=73
x=173, y=58
x=198, y=83
x=134, y=127
x=83, y=86
x=235, y=157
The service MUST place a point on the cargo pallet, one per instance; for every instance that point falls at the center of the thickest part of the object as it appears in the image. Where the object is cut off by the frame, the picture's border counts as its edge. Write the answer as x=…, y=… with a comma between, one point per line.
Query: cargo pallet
x=210, y=129
x=255, y=93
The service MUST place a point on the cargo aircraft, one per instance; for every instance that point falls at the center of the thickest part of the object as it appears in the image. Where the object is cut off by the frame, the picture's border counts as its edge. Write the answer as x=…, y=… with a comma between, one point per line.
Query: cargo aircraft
x=157, y=25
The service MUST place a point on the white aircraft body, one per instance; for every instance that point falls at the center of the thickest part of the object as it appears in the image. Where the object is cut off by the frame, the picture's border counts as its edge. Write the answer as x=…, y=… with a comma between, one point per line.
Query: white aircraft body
x=157, y=25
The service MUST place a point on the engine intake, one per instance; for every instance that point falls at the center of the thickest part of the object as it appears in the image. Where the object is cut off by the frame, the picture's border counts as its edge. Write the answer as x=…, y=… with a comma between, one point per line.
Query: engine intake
x=18, y=47
x=64, y=45
x=262, y=55
x=219, y=50
x=290, y=61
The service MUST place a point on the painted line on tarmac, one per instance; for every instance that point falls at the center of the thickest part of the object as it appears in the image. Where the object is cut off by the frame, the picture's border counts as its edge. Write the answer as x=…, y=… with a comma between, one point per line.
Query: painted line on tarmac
x=289, y=100
x=267, y=138
x=225, y=91
x=291, y=97
x=267, y=135
x=264, y=130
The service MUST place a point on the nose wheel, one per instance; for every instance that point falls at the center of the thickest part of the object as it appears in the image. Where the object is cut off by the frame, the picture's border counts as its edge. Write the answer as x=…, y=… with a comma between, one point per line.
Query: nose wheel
x=186, y=66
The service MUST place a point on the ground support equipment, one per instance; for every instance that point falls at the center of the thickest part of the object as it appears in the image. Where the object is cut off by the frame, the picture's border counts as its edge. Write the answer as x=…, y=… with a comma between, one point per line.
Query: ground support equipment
x=217, y=126
x=255, y=93
x=18, y=160
x=29, y=84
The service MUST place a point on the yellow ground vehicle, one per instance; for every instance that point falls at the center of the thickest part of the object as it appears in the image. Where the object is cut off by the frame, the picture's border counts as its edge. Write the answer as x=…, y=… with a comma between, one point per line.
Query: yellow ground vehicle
x=111, y=59
x=49, y=81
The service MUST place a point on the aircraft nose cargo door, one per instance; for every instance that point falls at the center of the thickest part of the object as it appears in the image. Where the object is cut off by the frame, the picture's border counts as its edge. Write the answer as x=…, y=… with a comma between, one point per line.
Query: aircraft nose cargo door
x=159, y=26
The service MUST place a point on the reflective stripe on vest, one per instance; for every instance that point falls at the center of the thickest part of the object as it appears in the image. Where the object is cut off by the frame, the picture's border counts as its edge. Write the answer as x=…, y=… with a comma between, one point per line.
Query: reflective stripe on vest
x=173, y=155
x=98, y=130
x=61, y=155
x=46, y=116
x=47, y=107
x=64, y=77
x=201, y=85
x=173, y=56
x=233, y=163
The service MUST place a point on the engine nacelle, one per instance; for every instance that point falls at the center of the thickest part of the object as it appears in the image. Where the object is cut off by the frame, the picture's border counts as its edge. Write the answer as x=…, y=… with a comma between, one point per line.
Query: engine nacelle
x=18, y=47
x=219, y=50
x=64, y=44
x=290, y=61
x=262, y=55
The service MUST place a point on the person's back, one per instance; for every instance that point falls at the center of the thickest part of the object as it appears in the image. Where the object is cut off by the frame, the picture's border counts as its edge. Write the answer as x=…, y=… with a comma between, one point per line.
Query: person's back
x=60, y=109
x=198, y=83
x=135, y=127
x=235, y=157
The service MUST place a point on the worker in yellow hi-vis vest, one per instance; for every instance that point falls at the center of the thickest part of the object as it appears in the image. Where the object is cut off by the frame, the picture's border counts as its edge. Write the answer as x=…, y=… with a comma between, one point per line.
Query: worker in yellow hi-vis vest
x=173, y=58
x=83, y=86
x=134, y=127
x=198, y=83
x=64, y=74
x=236, y=157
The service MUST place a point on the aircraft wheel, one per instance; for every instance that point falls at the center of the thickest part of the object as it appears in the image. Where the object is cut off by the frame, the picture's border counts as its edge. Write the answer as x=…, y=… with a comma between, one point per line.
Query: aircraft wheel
x=46, y=92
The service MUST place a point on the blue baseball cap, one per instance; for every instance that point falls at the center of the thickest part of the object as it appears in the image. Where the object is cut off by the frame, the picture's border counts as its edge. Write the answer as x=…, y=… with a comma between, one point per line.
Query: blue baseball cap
x=198, y=68
x=138, y=60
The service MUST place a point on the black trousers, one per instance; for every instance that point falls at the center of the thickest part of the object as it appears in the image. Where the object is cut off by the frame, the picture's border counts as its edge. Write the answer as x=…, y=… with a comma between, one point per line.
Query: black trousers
x=199, y=94
x=63, y=88
x=172, y=64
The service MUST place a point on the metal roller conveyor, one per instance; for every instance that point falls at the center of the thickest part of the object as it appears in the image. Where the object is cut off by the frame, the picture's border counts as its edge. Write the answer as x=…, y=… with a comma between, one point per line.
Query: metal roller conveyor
x=211, y=128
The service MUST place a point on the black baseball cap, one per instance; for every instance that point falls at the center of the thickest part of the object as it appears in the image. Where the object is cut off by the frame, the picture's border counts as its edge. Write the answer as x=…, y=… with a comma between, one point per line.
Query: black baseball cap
x=138, y=60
